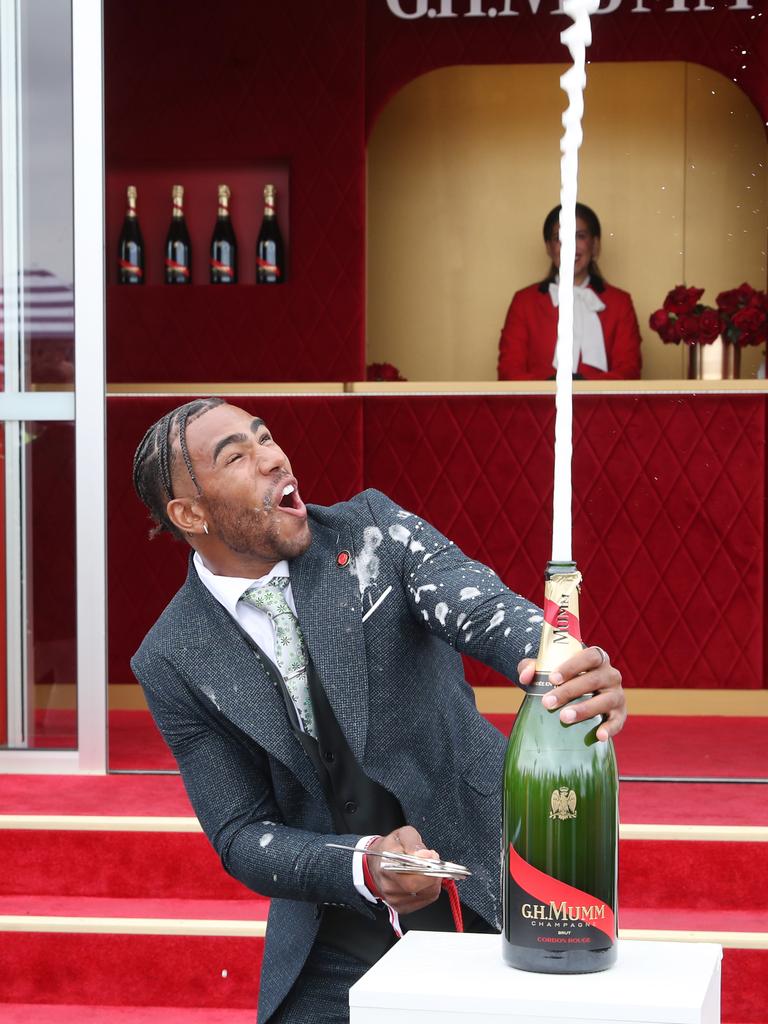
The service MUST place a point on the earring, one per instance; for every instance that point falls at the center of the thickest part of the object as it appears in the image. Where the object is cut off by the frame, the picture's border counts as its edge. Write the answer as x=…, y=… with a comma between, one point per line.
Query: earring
x=205, y=529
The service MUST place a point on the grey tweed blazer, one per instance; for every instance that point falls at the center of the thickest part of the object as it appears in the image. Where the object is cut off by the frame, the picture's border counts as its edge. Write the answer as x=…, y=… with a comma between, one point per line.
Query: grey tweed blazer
x=384, y=632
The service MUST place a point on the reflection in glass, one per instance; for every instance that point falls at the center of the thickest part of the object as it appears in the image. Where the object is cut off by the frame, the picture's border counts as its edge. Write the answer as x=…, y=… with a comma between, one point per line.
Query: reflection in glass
x=45, y=534
x=37, y=609
x=47, y=296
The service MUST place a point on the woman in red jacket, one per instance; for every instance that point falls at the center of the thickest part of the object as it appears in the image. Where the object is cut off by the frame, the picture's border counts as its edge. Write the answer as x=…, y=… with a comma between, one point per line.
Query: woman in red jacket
x=606, y=338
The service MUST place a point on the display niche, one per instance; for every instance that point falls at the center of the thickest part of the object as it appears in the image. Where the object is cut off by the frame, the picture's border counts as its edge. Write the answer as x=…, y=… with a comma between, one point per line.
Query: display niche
x=158, y=331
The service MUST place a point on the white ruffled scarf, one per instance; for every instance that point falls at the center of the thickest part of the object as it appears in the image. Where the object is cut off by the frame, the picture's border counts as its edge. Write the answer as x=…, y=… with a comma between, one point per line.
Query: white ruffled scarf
x=588, y=340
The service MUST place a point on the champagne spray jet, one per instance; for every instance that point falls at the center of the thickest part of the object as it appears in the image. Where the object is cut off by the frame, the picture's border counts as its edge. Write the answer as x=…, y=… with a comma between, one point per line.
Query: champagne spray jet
x=576, y=37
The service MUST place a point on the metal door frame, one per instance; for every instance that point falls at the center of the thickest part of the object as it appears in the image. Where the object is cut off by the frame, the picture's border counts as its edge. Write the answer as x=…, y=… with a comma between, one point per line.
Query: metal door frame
x=86, y=406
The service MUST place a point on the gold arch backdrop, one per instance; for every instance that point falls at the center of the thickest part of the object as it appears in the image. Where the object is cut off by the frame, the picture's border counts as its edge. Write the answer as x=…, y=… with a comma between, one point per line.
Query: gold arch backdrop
x=464, y=164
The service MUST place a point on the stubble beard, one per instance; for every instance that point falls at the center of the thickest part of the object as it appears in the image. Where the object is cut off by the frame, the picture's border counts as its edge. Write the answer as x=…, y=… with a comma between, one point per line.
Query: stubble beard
x=256, y=533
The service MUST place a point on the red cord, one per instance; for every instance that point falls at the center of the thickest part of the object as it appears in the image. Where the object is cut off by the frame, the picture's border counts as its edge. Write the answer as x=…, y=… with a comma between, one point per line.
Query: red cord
x=448, y=884
x=453, y=898
x=367, y=876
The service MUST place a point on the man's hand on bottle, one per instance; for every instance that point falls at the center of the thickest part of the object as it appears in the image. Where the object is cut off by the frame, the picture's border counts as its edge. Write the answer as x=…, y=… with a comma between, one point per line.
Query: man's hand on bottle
x=589, y=671
x=404, y=892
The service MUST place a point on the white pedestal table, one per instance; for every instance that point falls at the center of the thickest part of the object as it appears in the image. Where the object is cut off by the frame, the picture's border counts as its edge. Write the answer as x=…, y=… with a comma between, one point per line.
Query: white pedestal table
x=431, y=977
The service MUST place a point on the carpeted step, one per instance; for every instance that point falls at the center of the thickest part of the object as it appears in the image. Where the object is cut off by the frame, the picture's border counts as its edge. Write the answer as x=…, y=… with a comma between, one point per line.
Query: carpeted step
x=78, y=862
x=694, y=803
x=75, y=967
x=19, y=908
x=198, y=953
x=28, y=1013
x=221, y=972
x=89, y=794
x=164, y=795
x=657, y=869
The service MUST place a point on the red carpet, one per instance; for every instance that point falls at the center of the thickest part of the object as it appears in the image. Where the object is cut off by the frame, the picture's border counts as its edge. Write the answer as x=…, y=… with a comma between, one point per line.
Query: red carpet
x=24, y=1013
x=220, y=972
x=681, y=885
x=660, y=803
x=655, y=745
x=649, y=745
x=107, y=794
x=693, y=803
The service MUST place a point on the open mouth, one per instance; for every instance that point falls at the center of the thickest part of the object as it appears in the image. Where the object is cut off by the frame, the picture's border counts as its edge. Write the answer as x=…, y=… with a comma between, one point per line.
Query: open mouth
x=290, y=500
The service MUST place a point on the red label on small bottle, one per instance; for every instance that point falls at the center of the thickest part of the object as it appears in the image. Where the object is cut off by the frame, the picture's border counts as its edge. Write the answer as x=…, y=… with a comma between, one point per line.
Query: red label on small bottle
x=270, y=268
x=131, y=268
x=222, y=268
x=179, y=268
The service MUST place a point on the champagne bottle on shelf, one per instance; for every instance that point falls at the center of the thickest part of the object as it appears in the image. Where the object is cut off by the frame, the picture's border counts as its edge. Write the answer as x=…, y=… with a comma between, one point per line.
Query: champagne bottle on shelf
x=223, y=243
x=270, y=253
x=130, y=255
x=178, y=250
x=560, y=816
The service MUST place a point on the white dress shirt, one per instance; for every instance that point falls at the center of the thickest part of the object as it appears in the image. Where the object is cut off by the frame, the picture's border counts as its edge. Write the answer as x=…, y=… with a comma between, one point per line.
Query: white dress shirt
x=229, y=589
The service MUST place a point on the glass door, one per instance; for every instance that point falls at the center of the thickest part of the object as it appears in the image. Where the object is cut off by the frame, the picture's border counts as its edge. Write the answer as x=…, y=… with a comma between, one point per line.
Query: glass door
x=52, y=604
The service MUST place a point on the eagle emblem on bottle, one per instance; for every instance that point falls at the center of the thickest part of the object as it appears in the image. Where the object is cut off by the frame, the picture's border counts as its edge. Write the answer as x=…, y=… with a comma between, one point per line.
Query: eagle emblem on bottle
x=562, y=804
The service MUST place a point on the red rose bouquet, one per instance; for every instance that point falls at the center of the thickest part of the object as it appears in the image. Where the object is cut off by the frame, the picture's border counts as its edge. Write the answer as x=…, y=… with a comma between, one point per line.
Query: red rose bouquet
x=684, y=318
x=382, y=371
x=744, y=312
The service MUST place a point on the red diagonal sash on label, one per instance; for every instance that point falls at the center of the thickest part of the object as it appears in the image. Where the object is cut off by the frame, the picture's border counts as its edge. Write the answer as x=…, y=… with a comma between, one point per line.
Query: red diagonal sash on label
x=131, y=267
x=271, y=268
x=178, y=267
x=222, y=267
x=545, y=889
x=553, y=615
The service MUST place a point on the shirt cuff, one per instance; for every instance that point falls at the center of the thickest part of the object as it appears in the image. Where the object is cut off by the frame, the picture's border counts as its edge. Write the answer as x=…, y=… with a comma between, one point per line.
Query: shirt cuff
x=358, y=877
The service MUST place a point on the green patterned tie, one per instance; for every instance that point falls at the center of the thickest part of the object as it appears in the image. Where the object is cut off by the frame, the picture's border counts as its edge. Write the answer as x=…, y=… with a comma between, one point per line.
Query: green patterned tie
x=290, y=649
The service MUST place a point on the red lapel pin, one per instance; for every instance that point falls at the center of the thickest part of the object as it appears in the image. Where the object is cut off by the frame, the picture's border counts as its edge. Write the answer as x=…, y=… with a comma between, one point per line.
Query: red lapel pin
x=342, y=558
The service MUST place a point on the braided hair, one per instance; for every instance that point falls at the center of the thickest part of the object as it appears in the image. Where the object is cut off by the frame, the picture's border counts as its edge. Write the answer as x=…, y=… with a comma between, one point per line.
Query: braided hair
x=154, y=461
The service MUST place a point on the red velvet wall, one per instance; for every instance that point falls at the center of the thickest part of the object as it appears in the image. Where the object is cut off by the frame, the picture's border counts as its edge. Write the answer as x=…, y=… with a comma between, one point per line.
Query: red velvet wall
x=669, y=505
x=200, y=87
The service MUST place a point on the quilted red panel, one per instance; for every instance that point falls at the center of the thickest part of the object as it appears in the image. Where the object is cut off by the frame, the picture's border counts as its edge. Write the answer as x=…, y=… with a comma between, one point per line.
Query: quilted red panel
x=205, y=86
x=669, y=515
x=323, y=438
x=397, y=51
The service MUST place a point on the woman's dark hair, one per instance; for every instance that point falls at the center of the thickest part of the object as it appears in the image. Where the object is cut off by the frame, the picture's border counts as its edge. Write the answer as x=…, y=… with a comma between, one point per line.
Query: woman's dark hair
x=590, y=218
x=155, y=457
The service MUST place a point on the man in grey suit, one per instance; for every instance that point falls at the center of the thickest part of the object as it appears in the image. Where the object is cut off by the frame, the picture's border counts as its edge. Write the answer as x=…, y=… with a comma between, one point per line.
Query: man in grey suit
x=307, y=677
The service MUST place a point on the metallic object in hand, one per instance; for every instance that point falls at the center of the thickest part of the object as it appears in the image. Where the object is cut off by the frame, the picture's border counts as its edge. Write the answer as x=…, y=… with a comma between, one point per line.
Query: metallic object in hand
x=408, y=863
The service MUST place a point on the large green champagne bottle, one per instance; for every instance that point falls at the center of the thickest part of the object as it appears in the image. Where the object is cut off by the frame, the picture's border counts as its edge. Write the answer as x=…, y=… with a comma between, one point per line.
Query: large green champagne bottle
x=560, y=828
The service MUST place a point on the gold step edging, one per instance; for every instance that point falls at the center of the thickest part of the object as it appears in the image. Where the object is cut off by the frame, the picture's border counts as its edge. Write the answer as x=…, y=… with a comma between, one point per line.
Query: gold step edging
x=729, y=940
x=131, y=925
x=498, y=700
x=100, y=823
x=37, y=923
x=158, y=823
x=502, y=700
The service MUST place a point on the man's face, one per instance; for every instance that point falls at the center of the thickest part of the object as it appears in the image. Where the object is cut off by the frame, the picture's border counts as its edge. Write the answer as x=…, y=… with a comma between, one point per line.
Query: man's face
x=249, y=494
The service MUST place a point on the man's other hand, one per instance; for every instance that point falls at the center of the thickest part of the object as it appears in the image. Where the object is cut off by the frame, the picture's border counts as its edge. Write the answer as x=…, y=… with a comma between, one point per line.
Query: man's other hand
x=404, y=892
x=589, y=671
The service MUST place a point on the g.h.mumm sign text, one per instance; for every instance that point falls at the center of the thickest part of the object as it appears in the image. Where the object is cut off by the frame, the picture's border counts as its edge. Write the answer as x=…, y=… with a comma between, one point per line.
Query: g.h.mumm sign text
x=412, y=9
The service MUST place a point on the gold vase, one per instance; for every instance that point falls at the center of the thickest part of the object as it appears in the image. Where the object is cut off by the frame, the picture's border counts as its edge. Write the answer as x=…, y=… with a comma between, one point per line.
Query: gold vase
x=721, y=360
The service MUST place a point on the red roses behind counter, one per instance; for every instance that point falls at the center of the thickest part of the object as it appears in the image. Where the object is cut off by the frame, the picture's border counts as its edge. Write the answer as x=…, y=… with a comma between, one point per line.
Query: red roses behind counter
x=741, y=317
